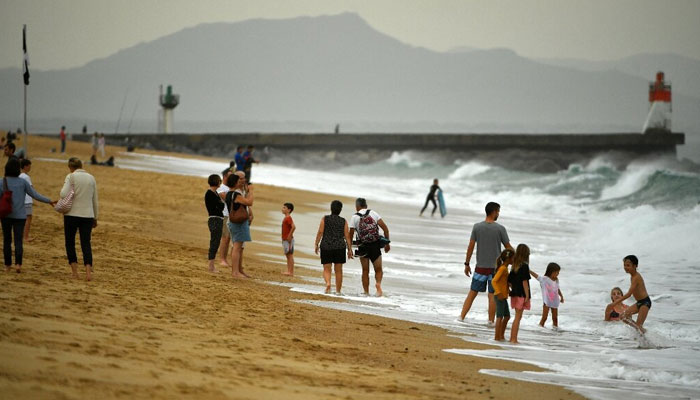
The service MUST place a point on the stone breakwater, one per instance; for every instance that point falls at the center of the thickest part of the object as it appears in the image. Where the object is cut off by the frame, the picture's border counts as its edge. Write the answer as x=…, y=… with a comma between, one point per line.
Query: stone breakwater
x=534, y=152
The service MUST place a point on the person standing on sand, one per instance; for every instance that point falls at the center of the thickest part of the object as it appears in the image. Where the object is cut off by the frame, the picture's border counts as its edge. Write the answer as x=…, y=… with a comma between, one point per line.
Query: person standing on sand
x=240, y=232
x=367, y=223
x=215, y=208
x=95, y=139
x=431, y=198
x=241, y=178
x=238, y=158
x=101, y=144
x=62, y=136
x=288, y=229
x=26, y=166
x=13, y=223
x=82, y=216
x=334, y=238
x=249, y=160
x=489, y=235
x=225, y=233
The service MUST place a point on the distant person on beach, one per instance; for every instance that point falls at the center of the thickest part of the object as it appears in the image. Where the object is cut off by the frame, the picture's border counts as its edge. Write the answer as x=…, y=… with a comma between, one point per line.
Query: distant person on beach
x=367, y=223
x=238, y=158
x=62, y=136
x=108, y=163
x=13, y=222
x=519, y=281
x=551, y=294
x=613, y=311
x=431, y=198
x=84, y=129
x=639, y=291
x=26, y=166
x=94, y=144
x=215, y=208
x=225, y=233
x=240, y=231
x=288, y=229
x=249, y=160
x=82, y=216
x=9, y=150
x=500, y=293
x=101, y=144
x=487, y=236
x=334, y=240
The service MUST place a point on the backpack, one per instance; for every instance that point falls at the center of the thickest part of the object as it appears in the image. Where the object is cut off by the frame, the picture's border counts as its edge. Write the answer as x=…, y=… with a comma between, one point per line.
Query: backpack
x=5, y=200
x=367, y=229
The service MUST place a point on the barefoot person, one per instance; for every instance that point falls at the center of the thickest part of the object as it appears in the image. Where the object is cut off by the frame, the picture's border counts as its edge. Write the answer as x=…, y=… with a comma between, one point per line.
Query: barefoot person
x=215, y=208
x=82, y=216
x=431, y=198
x=13, y=222
x=244, y=184
x=288, y=229
x=334, y=238
x=26, y=166
x=639, y=291
x=613, y=311
x=488, y=236
x=240, y=231
x=367, y=223
x=225, y=234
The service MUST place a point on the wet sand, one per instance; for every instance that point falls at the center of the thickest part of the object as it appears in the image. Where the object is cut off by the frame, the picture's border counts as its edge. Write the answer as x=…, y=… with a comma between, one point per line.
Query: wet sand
x=154, y=324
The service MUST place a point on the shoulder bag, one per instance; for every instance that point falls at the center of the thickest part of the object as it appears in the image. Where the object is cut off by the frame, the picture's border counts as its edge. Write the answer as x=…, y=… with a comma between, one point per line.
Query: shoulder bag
x=5, y=200
x=240, y=215
x=65, y=204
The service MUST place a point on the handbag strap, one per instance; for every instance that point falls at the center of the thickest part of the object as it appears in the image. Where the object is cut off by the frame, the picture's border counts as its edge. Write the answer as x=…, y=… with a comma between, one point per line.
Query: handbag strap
x=4, y=184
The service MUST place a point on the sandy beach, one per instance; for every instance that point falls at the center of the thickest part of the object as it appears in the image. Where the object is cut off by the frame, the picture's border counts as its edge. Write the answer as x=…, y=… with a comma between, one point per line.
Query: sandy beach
x=154, y=324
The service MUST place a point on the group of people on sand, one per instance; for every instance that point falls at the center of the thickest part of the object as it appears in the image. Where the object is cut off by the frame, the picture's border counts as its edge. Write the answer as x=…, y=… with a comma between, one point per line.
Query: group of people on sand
x=491, y=274
x=229, y=203
x=79, y=207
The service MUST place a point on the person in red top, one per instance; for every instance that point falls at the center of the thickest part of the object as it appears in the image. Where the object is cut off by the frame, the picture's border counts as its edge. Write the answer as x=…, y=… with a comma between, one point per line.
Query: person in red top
x=63, y=139
x=288, y=229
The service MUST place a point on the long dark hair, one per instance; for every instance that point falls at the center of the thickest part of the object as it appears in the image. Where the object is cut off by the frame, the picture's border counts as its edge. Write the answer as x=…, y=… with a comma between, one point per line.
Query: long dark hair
x=522, y=256
x=551, y=268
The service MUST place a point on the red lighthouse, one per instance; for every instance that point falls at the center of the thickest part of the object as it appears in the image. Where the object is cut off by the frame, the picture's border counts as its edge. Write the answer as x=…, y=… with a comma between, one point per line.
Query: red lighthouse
x=659, y=117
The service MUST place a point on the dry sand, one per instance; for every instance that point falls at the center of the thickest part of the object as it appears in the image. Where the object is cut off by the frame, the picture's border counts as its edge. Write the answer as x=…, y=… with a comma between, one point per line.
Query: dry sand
x=155, y=324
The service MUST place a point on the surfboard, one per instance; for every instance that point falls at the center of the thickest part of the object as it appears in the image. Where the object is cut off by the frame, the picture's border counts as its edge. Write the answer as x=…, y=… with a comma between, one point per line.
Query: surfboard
x=441, y=203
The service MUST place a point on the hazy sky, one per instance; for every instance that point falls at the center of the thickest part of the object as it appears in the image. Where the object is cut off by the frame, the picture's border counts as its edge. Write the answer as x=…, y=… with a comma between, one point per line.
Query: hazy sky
x=69, y=33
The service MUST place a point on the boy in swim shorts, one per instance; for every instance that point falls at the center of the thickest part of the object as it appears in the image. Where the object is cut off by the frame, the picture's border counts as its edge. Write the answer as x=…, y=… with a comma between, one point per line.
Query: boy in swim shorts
x=288, y=229
x=639, y=291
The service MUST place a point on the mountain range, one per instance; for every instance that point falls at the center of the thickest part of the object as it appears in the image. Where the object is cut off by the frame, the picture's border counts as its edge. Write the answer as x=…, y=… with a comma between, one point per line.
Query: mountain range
x=309, y=73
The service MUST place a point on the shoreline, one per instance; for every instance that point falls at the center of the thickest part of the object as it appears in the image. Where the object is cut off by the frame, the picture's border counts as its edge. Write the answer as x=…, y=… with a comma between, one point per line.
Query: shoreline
x=154, y=323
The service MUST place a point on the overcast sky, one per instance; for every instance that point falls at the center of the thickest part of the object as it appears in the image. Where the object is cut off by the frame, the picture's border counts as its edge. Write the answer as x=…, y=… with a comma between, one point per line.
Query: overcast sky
x=69, y=33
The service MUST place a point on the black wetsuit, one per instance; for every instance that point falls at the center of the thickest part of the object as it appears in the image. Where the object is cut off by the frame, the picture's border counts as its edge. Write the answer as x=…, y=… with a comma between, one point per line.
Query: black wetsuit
x=431, y=197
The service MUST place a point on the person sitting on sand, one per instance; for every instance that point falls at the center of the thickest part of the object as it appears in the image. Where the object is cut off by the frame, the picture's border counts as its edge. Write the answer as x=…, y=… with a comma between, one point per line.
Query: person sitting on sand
x=613, y=312
x=639, y=291
x=334, y=238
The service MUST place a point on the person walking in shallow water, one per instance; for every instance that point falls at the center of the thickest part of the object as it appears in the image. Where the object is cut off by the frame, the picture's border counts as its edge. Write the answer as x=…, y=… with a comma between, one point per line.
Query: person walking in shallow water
x=488, y=236
x=367, y=223
x=82, y=216
x=333, y=238
x=431, y=198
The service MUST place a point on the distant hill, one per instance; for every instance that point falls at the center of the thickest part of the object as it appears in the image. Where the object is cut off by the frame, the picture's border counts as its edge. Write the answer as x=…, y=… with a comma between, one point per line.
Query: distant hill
x=309, y=73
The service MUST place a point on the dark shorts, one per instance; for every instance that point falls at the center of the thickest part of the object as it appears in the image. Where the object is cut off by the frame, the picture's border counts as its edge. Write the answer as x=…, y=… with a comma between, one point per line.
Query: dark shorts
x=370, y=250
x=333, y=256
x=502, y=309
x=481, y=282
x=644, y=302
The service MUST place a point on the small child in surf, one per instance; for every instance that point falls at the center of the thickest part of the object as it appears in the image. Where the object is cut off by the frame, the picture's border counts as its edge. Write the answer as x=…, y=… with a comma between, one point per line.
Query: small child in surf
x=639, y=291
x=551, y=295
x=519, y=278
x=500, y=293
x=612, y=313
x=288, y=229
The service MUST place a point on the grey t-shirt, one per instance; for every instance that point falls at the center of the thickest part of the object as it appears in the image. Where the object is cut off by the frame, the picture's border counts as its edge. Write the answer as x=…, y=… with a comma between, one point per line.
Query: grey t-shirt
x=488, y=236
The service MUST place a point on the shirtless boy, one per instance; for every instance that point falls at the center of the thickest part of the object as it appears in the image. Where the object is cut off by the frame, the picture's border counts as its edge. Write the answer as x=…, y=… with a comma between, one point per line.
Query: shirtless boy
x=639, y=291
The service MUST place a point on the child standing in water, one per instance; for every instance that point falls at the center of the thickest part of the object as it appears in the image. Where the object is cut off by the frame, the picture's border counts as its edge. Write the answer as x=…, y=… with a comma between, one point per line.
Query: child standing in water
x=519, y=287
x=551, y=295
x=639, y=291
x=500, y=293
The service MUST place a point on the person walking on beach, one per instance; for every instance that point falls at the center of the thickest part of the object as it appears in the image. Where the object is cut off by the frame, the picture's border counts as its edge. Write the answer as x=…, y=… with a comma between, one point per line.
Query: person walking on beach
x=82, y=216
x=334, y=238
x=225, y=233
x=14, y=219
x=26, y=166
x=62, y=136
x=639, y=291
x=215, y=208
x=431, y=198
x=551, y=294
x=288, y=229
x=488, y=236
x=500, y=293
x=240, y=229
x=367, y=223
x=519, y=280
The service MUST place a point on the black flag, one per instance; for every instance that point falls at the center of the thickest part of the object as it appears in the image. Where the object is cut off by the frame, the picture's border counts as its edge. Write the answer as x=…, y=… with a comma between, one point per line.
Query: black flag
x=26, y=56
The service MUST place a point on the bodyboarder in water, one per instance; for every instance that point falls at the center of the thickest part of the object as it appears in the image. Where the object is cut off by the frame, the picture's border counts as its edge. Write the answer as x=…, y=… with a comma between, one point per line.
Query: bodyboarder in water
x=431, y=197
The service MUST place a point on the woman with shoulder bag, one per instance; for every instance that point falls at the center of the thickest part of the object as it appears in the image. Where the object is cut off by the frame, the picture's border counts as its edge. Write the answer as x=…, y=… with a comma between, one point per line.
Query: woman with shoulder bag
x=238, y=223
x=13, y=222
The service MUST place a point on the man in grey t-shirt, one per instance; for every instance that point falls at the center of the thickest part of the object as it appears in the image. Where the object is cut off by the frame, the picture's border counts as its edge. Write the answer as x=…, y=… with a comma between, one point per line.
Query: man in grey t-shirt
x=489, y=235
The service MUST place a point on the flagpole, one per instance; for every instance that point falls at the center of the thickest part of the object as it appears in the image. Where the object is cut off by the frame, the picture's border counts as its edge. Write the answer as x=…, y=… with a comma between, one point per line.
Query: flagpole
x=26, y=83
